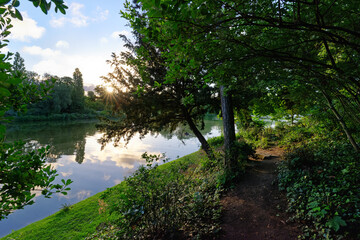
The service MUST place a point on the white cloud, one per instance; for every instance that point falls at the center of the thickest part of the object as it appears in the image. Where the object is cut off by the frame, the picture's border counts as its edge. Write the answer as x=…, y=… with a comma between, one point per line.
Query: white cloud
x=65, y=174
x=107, y=177
x=26, y=29
x=92, y=67
x=57, y=22
x=101, y=15
x=43, y=52
x=116, y=34
x=62, y=44
x=83, y=194
x=76, y=17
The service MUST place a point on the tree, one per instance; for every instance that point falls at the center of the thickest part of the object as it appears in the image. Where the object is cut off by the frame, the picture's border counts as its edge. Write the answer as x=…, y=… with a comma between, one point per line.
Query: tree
x=18, y=64
x=182, y=58
x=77, y=92
x=91, y=96
x=311, y=42
x=148, y=102
x=21, y=171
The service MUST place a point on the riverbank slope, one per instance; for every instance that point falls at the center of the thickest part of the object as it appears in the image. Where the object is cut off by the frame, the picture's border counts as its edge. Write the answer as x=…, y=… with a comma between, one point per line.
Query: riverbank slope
x=81, y=219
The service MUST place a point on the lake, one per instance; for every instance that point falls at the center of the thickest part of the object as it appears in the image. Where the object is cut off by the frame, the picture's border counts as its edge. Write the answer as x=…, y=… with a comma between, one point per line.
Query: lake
x=77, y=155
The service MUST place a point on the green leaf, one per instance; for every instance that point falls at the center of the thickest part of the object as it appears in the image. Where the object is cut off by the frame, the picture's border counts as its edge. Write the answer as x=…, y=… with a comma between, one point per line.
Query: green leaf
x=335, y=223
x=15, y=81
x=62, y=10
x=2, y=130
x=157, y=3
x=36, y=3
x=164, y=6
x=3, y=2
x=4, y=92
x=44, y=7
x=18, y=15
x=68, y=182
x=48, y=6
x=16, y=3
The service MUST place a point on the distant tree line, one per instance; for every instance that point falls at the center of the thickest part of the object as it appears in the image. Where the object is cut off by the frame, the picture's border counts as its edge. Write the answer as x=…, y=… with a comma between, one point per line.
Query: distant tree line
x=67, y=95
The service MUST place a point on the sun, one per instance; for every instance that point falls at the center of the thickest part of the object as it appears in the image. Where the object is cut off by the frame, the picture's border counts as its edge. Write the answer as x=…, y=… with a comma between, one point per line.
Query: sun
x=109, y=89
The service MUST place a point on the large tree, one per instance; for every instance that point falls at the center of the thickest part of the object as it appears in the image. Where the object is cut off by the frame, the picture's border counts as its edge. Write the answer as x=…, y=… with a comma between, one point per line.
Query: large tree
x=150, y=102
x=314, y=42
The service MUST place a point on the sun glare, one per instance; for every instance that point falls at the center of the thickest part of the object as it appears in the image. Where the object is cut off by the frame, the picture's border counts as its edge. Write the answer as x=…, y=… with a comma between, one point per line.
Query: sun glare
x=109, y=89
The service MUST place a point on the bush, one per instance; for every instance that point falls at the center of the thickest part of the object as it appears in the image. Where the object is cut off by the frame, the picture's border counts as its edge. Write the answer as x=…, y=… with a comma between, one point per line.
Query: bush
x=321, y=181
x=165, y=203
x=241, y=148
x=216, y=142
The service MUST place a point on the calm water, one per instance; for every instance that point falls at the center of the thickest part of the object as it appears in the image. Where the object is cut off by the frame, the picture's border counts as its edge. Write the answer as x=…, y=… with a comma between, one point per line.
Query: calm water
x=77, y=155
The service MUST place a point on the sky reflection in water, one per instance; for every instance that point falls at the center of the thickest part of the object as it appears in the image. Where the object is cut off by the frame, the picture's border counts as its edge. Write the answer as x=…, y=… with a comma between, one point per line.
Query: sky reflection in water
x=77, y=155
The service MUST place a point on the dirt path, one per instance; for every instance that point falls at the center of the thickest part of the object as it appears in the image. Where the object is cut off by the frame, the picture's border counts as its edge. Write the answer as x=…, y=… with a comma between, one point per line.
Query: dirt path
x=255, y=209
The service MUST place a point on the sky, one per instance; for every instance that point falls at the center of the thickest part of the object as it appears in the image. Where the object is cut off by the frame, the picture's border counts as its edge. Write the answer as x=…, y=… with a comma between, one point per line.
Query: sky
x=84, y=38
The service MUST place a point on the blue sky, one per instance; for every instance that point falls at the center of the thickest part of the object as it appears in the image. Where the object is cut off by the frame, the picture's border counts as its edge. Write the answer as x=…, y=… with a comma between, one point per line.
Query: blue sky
x=84, y=38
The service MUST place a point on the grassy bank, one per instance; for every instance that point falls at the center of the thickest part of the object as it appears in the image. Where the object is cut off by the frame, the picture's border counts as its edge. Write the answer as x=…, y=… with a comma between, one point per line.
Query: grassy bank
x=82, y=219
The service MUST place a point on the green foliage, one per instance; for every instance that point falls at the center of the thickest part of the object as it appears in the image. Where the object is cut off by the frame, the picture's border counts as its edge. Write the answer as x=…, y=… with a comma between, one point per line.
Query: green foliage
x=18, y=64
x=297, y=133
x=244, y=149
x=91, y=96
x=22, y=174
x=273, y=50
x=255, y=133
x=223, y=178
x=216, y=142
x=22, y=171
x=284, y=134
x=174, y=202
x=148, y=100
x=66, y=96
x=321, y=181
x=77, y=94
x=65, y=207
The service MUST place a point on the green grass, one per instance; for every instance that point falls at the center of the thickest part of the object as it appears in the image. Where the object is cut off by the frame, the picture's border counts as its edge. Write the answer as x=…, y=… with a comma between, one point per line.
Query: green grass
x=82, y=218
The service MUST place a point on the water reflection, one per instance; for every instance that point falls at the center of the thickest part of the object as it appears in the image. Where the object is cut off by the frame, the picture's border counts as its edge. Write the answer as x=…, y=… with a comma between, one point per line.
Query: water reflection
x=64, y=138
x=77, y=155
x=71, y=139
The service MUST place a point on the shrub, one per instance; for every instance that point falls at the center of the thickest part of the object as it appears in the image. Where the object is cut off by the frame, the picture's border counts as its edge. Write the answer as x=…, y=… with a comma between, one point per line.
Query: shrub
x=321, y=181
x=165, y=203
x=216, y=142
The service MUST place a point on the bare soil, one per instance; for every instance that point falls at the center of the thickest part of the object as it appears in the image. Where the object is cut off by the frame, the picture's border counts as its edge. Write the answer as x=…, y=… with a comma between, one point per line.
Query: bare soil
x=255, y=209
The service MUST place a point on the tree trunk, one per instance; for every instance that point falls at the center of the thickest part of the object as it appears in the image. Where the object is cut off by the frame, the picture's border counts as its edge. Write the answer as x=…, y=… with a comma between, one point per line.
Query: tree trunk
x=204, y=144
x=229, y=130
x=342, y=123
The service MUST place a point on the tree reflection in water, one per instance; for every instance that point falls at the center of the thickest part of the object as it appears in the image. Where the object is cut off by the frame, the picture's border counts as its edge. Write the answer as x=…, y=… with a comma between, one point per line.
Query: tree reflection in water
x=69, y=138
x=65, y=138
